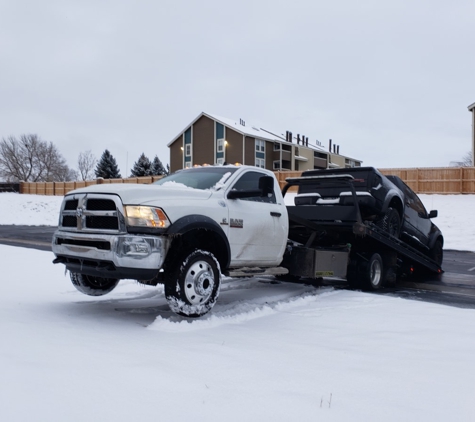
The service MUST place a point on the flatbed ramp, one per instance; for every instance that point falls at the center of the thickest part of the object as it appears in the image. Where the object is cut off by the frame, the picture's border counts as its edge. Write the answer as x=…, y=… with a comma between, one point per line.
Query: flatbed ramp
x=376, y=258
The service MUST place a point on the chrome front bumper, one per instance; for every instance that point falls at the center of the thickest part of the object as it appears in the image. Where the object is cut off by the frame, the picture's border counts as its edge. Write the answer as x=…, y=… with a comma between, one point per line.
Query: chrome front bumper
x=119, y=254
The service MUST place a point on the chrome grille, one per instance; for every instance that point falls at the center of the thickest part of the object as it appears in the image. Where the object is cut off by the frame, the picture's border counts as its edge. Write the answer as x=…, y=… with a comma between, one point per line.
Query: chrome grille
x=93, y=212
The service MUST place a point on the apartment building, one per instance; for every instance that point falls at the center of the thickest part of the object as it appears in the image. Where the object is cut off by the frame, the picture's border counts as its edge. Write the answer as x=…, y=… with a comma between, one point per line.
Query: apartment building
x=211, y=139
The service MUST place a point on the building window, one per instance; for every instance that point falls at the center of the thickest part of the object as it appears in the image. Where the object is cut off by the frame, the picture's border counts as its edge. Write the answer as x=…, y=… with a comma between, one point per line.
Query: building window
x=219, y=142
x=276, y=147
x=277, y=165
x=260, y=155
x=188, y=152
x=220, y=161
x=260, y=145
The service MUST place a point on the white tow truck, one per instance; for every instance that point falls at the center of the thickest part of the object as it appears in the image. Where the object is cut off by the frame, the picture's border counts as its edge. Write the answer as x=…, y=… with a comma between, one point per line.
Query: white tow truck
x=188, y=229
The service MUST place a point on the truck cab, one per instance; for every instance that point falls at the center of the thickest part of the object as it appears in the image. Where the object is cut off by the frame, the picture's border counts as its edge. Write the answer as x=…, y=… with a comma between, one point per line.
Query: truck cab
x=184, y=230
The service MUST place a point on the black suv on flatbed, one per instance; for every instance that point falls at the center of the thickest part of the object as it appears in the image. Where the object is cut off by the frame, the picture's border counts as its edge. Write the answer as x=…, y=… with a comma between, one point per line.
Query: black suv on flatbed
x=385, y=200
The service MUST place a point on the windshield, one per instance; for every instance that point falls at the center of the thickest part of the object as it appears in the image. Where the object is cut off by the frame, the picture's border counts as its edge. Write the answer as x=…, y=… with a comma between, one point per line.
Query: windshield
x=199, y=178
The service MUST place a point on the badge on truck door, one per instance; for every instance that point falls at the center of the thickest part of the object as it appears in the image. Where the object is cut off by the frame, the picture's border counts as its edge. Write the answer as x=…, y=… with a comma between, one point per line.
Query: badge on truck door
x=237, y=223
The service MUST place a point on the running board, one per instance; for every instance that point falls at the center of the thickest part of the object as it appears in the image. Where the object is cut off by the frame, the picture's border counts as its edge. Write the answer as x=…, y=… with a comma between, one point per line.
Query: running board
x=253, y=271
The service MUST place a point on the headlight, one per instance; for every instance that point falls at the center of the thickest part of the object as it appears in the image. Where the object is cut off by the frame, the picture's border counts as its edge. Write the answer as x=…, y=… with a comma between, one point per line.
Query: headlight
x=140, y=216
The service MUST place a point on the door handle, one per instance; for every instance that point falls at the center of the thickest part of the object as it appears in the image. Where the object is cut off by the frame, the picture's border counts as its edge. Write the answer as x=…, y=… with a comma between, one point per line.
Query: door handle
x=275, y=214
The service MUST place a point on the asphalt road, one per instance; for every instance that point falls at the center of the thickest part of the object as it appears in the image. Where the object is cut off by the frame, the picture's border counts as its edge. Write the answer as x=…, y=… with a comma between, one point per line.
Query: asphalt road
x=456, y=287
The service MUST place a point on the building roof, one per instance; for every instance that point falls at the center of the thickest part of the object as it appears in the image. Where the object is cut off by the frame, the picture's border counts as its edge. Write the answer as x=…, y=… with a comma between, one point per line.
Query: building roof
x=246, y=129
x=471, y=107
x=254, y=131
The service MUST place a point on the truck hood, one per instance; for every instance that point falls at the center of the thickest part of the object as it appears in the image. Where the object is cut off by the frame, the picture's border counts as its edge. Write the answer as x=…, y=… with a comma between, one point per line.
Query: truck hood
x=141, y=194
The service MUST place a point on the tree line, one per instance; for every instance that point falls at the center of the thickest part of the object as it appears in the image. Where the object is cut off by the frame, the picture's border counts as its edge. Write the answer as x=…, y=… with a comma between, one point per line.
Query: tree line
x=31, y=159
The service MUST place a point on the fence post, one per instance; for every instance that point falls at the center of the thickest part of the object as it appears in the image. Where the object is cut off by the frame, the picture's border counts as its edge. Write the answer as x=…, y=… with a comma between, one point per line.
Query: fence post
x=461, y=179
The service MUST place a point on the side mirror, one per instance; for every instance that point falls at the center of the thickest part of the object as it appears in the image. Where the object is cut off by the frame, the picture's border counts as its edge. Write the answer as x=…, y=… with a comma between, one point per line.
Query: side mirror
x=266, y=185
x=433, y=214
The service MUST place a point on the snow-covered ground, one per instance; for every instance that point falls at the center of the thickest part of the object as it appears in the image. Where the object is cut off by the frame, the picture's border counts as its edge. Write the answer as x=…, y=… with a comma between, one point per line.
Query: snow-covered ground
x=267, y=352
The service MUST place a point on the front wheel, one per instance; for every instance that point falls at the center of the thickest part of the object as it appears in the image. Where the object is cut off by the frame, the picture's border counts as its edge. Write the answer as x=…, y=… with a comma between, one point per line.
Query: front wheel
x=193, y=287
x=437, y=252
x=93, y=286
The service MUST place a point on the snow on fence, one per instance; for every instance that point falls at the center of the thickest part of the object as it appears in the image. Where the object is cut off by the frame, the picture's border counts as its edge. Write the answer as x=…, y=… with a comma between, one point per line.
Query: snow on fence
x=62, y=188
x=441, y=180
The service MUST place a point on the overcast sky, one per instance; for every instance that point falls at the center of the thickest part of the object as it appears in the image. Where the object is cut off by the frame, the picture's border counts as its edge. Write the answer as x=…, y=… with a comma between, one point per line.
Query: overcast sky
x=389, y=81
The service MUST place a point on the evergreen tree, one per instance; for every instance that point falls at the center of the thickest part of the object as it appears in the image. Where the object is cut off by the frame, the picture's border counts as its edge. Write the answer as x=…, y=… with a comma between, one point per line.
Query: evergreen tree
x=142, y=167
x=157, y=167
x=107, y=166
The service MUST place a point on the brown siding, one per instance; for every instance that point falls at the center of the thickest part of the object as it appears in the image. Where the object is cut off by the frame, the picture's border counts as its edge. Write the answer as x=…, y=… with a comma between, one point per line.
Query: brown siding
x=176, y=155
x=269, y=155
x=250, y=153
x=203, y=141
x=234, y=147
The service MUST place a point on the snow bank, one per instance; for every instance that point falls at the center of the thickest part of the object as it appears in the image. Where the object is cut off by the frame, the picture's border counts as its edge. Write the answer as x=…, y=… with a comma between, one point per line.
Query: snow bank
x=279, y=352
x=29, y=210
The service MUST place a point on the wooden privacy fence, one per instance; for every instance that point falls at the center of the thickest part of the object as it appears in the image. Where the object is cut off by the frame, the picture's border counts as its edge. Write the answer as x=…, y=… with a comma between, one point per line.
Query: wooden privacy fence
x=442, y=180
x=62, y=188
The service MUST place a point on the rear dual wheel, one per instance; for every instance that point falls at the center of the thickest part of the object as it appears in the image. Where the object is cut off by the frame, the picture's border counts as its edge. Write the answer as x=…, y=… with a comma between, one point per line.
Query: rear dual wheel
x=391, y=222
x=368, y=274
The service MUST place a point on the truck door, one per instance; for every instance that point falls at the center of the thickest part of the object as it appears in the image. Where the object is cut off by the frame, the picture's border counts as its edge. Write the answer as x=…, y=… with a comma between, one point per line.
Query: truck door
x=256, y=225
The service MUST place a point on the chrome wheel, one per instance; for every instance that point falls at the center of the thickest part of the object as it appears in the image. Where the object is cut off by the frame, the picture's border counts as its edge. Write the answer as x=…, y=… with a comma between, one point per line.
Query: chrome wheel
x=375, y=272
x=199, y=282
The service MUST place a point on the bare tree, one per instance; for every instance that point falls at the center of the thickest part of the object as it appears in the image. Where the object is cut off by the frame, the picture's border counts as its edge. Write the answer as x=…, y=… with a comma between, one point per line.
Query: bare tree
x=466, y=161
x=32, y=160
x=86, y=164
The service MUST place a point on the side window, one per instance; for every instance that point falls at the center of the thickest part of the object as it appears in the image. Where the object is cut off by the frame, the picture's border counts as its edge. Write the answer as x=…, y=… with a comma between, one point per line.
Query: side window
x=419, y=207
x=414, y=202
x=250, y=181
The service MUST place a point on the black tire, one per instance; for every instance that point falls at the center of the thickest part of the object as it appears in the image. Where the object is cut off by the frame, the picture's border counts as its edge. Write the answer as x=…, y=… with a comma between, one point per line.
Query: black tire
x=391, y=222
x=93, y=286
x=373, y=273
x=437, y=252
x=192, y=288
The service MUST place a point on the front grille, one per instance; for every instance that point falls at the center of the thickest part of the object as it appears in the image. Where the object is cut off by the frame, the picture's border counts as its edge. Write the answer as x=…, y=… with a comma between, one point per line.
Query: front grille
x=69, y=221
x=102, y=222
x=92, y=212
x=71, y=205
x=100, y=205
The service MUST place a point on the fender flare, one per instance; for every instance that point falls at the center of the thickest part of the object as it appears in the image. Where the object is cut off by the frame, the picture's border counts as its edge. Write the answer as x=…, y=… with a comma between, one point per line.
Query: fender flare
x=200, y=222
x=389, y=198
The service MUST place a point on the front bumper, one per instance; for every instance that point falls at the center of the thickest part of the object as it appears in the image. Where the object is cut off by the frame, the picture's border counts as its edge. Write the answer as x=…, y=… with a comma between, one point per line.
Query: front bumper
x=114, y=256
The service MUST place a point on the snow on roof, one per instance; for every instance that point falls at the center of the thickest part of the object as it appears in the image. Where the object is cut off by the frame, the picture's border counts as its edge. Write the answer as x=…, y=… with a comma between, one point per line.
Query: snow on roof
x=247, y=129
x=256, y=132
